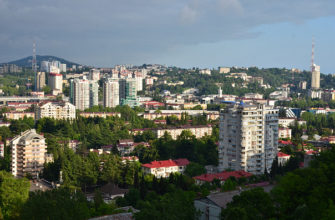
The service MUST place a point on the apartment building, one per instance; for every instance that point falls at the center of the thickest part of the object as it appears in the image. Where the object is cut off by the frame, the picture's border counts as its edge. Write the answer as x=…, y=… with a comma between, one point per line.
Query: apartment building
x=55, y=81
x=197, y=130
x=84, y=93
x=28, y=154
x=15, y=115
x=40, y=81
x=99, y=114
x=111, y=93
x=56, y=110
x=248, y=137
x=163, y=169
x=315, y=84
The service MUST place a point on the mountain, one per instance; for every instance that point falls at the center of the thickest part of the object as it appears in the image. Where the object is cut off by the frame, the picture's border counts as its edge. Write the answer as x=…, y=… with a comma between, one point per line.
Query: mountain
x=26, y=62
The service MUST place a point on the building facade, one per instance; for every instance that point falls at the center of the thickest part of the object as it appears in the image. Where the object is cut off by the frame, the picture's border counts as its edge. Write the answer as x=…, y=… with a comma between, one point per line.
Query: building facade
x=111, y=93
x=315, y=77
x=40, y=81
x=248, y=138
x=28, y=154
x=56, y=110
x=84, y=93
x=163, y=169
x=56, y=83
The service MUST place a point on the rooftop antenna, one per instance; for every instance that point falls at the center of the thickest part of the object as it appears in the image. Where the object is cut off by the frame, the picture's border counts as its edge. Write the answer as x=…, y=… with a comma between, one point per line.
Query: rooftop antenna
x=34, y=65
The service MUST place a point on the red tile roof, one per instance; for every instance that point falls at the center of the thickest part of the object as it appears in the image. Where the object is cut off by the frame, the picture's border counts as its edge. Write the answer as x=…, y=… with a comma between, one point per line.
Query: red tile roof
x=166, y=163
x=310, y=152
x=222, y=176
x=285, y=142
x=281, y=154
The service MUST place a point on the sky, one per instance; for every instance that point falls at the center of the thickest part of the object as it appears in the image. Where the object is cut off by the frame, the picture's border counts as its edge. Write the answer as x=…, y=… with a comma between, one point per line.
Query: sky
x=184, y=33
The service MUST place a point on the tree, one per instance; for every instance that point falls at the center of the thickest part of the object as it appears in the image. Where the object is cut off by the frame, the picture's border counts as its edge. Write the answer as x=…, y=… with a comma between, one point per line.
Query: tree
x=13, y=194
x=56, y=204
x=250, y=204
x=194, y=169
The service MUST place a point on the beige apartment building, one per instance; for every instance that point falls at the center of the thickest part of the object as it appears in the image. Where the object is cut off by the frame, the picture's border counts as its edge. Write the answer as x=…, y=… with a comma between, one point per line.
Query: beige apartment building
x=28, y=154
x=197, y=130
x=56, y=110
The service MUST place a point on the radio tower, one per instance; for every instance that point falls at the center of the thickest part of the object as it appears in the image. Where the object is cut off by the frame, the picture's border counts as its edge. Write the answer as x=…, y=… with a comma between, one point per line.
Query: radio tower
x=312, y=61
x=34, y=65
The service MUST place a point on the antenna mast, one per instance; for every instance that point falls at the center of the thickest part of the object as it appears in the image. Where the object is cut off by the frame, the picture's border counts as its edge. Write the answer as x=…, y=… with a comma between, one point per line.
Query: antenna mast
x=34, y=65
x=312, y=61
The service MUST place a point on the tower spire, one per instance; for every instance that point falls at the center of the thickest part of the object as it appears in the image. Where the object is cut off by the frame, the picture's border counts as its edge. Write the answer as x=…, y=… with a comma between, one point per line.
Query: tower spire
x=312, y=60
x=34, y=65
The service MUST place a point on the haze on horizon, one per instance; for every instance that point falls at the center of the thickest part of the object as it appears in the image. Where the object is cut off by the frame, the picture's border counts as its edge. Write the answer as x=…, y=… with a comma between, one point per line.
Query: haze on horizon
x=185, y=33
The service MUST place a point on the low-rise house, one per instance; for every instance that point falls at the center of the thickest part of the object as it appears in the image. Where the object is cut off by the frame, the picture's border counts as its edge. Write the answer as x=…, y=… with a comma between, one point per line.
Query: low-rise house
x=72, y=144
x=20, y=106
x=109, y=192
x=129, y=159
x=286, y=122
x=4, y=124
x=2, y=149
x=152, y=104
x=99, y=114
x=18, y=115
x=162, y=169
x=125, y=146
x=210, y=207
x=222, y=176
x=282, y=158
x=285, y=133
x=198, y=131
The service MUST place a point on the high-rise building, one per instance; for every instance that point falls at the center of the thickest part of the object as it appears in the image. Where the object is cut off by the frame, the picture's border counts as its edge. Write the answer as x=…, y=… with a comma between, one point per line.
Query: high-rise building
x=122, y=90
x=45, y=66
x=94, y=93
x=248, y=137
x=55, y=81
x=28, y=152
x=80, y=93
x=57, y=110
x=315, y=77
x=84, y=93
x=94, y=75
x=40, y=80
x=62, y=68
x=111, y=93
x=130, y=93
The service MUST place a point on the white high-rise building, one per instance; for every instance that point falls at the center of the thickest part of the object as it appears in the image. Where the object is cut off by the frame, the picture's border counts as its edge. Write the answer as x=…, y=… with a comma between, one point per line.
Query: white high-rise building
x=84, y=93
x=28, y=152
x=315, y=77
x=45, y=66
x=94, y=75
x=139, y=83
x=111, y=93
x=56, y=64
x=80, y=93
x=62, y=67
x=248, y=137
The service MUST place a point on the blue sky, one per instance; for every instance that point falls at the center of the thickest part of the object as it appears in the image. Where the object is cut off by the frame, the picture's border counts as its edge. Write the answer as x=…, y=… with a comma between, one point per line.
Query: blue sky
x=185, y=33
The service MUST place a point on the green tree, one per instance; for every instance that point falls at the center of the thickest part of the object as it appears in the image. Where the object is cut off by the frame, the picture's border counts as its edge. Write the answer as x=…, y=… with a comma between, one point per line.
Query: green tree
x=13, y=194
x=194, y=169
